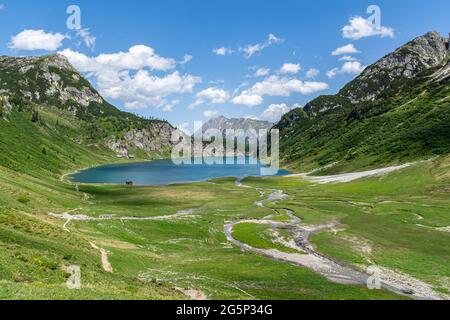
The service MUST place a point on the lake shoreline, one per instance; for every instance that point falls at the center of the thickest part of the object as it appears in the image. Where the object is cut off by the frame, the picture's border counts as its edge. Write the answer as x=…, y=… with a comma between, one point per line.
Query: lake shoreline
x=163, y=172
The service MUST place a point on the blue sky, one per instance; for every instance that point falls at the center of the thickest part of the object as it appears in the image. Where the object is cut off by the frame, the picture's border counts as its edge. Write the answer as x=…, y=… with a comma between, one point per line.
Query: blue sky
x=174, y=71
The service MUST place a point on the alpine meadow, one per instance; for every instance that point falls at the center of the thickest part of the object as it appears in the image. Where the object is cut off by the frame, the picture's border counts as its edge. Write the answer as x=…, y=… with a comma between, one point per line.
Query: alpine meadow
x=95, y=204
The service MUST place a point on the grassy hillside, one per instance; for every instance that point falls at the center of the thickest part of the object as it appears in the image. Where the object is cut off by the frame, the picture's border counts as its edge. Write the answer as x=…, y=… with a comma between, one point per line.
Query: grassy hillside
x=396, y=222
x=396, y=111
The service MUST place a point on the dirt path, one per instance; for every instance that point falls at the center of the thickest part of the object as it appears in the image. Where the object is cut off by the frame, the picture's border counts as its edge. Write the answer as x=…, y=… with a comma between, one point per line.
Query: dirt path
x=80, y=217
x=313, y=260
x=105, y=260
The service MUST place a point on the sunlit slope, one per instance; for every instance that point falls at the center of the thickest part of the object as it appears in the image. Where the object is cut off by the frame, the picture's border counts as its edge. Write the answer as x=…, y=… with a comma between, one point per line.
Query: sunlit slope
x=397, y=110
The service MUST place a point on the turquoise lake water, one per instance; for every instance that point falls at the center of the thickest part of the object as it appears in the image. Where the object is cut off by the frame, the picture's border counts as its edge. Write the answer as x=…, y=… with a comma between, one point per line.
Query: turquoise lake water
x=165, y=172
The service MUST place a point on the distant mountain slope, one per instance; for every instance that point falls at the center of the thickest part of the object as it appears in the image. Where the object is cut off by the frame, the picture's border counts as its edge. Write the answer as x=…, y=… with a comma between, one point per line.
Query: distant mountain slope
x=222, y=123
x=398, y=109
x=46, y=102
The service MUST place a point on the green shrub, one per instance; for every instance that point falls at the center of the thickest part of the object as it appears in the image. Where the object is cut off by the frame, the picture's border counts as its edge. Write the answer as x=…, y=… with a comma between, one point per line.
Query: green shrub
x=23, y=199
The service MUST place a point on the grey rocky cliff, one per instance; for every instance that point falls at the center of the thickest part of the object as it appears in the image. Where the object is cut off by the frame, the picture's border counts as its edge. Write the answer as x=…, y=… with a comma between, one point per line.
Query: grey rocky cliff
x=32, y=84
x=421, y=54
x=391, y=74
x=223, y=123
x=39, y=79
x=154, y=141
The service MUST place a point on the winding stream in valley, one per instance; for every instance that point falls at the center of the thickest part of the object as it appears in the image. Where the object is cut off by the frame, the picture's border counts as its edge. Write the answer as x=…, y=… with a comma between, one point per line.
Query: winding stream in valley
x=309, y=257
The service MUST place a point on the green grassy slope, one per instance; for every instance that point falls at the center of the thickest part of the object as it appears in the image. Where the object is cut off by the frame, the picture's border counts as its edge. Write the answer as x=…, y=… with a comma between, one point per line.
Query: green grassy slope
x=152, y=258
x=380, y=118
x=399, y=221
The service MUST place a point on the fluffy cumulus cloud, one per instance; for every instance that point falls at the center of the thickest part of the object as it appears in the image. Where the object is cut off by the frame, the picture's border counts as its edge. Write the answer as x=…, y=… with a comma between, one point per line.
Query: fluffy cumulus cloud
x=211, y=95
x=248, y=99
x=312, y=73
x=223, y=51
x=30, y=40
x=274, y=112
x=136, y=58
x=290, y=68
x=348, y=49
x=349, y=67
x=252, y=49
x=127, y=77
x=276, y=86
x=359, y=28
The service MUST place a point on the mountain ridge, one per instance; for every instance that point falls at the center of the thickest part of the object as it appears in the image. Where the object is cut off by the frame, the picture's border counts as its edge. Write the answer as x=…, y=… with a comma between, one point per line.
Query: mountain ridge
x=223, y=123
x=50, y=84
x=369, y=119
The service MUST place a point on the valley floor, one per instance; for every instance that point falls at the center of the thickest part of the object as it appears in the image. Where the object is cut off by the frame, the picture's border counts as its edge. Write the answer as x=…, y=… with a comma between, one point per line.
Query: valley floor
x=173, y=242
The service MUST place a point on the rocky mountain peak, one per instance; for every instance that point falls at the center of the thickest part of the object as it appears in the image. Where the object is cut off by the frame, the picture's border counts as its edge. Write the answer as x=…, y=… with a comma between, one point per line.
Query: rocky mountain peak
x=398, y=105
x=47, y=79
x=391, y=73
x=222, y=123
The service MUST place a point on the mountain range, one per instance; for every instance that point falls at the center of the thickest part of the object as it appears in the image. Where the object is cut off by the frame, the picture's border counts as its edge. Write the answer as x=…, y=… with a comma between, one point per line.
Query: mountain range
x=222, y=123
x=396, y=110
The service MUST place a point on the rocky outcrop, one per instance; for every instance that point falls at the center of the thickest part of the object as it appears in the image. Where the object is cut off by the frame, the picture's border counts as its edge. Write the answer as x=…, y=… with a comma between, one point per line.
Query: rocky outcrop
x=40, y=79
x=33, y=83
x=222, y=123
x=397, y=108
x=423, y=53
x=155, y=140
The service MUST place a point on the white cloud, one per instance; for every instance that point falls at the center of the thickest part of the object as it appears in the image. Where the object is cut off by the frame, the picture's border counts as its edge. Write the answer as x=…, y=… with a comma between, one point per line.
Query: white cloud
x=252, y=49
x=261, y=72
x=223, y=51
x=349, y=67
x=136, y=58
x=347, y=58
x=353, y=67
x=312, y=73
x=210, y=114
x=359, y=28
x=212, y=95
x=348, y=49
x=332, y=73
x=290, y=68
x=187, y=58
x=2, y=6
x=31, y=40
x=88, y=39
x=274, y=112
x=126, y=77
x=276, y=86
x=282, y=86
x=248, y=99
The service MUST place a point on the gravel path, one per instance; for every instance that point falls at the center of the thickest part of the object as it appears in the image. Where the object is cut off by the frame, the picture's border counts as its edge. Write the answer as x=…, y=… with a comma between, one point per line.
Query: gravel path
x=348, y=177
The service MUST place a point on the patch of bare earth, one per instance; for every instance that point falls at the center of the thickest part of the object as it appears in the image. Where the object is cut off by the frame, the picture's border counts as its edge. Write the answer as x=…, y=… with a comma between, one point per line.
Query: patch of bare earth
x=193, y=294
